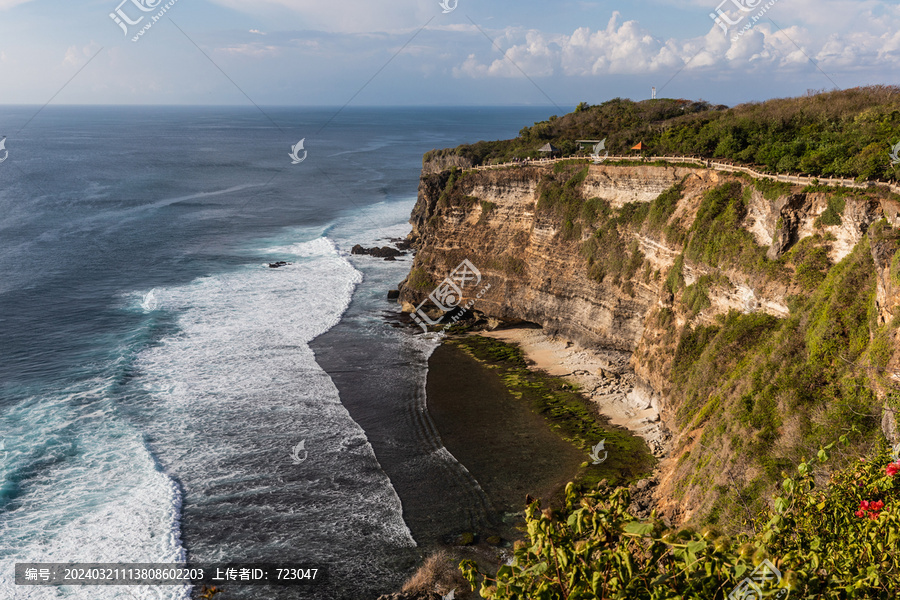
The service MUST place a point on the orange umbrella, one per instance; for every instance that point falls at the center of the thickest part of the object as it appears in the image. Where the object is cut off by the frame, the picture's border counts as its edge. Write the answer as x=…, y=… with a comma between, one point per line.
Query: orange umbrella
x=640, y=146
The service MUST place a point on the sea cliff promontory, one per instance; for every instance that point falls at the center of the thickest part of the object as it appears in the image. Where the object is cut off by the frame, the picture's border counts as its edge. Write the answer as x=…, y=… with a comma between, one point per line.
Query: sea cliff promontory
x=760, y=318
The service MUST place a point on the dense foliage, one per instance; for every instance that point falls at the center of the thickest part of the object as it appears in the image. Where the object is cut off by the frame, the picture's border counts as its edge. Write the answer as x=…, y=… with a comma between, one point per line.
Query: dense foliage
x=832, y=540
x=760, y=391
x=845, y=133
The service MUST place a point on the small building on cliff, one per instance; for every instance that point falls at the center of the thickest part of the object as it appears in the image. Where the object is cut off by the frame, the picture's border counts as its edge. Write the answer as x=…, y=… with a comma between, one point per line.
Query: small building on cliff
x=549, y=149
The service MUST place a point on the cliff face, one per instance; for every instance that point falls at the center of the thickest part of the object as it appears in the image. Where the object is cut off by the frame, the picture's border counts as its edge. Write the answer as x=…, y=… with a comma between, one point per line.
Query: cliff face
x=534, y=277
x=707, y=279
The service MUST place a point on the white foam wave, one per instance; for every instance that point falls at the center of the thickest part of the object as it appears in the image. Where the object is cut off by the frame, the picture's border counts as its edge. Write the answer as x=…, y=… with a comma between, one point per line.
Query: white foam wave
x=239, y=387
x=81, y=486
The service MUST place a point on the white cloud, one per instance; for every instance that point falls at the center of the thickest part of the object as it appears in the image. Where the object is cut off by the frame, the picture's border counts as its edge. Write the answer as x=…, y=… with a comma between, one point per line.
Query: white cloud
x=251, y=50
x=626, y=48
x=258, y=32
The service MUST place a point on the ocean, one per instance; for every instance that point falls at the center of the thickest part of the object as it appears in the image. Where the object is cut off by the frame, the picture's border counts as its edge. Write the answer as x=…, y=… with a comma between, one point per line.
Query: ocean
x=166, y=396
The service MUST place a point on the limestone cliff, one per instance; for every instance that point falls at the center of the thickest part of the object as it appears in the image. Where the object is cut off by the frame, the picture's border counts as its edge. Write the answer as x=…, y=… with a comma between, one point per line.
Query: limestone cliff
x=708, y=280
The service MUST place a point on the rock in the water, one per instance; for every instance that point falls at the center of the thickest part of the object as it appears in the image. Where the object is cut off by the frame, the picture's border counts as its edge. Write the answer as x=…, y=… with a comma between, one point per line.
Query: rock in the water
x=280, y=263
x=386, y=252
x=393, y=294
x=466, y=539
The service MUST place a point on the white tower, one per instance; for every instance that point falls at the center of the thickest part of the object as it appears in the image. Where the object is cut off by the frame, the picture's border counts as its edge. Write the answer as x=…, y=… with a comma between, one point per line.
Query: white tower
x=653, y=93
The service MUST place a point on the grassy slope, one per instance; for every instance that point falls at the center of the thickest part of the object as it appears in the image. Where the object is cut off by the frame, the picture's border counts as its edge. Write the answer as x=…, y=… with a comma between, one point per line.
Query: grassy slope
x=845, y=133
x=761, y=392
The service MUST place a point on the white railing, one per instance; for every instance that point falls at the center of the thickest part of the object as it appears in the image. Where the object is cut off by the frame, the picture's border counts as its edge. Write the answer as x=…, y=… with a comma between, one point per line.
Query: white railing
x=719, y=166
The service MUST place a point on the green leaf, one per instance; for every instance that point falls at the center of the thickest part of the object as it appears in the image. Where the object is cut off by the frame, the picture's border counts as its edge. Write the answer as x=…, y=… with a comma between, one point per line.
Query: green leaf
x=696, y=546
x=638, y=528
x=596, y=580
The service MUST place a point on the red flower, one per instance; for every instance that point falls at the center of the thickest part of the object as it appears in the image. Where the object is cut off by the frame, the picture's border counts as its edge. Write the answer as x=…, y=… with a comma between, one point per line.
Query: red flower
x=877, y=505
x=864, y=505
x=892, y=469
x=860, y=513
x=873, y=515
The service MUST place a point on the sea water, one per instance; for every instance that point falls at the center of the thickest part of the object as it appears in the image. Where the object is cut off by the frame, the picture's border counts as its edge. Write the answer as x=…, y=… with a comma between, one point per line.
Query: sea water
x=162, y=390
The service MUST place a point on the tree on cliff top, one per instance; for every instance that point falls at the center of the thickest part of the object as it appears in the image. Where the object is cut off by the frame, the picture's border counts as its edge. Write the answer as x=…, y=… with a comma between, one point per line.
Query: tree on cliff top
x=846, y=133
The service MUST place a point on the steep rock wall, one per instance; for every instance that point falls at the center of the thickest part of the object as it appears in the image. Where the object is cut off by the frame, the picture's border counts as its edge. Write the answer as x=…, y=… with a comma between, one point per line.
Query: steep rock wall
x=593, y=254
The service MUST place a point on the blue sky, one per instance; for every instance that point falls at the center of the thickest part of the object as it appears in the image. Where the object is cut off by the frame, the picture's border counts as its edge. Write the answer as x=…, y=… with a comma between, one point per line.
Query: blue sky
x=305, y=52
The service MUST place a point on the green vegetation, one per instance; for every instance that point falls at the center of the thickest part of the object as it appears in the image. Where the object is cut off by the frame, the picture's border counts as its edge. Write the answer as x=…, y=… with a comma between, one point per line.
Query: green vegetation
x=716, y=236
x=843, y=133
x=895, y=269
x=832, y=214
x=696, y=295
x=811, y=262
x=663, y=206
x=829, y=543
x=567, y=411
x=560, y=198
x=772, y=190
x=771, y=375
x=486, y=208
x=675, y=278
x=765, y=389
x=444, y=199
x=419, y=280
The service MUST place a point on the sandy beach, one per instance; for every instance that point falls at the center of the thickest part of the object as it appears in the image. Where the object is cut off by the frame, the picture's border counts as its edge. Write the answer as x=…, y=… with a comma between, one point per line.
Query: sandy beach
x=603, y=375
x=510, y=450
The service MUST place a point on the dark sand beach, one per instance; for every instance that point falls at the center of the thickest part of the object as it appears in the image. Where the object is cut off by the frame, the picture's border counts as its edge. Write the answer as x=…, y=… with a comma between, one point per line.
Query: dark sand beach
x=508, y=448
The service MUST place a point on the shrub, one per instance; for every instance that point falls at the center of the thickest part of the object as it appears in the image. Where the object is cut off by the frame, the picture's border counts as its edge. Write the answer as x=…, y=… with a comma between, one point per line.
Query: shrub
x=828, y=543
x=437, y=574
x=832, y=215
x=772, y=190
x=661, y=209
